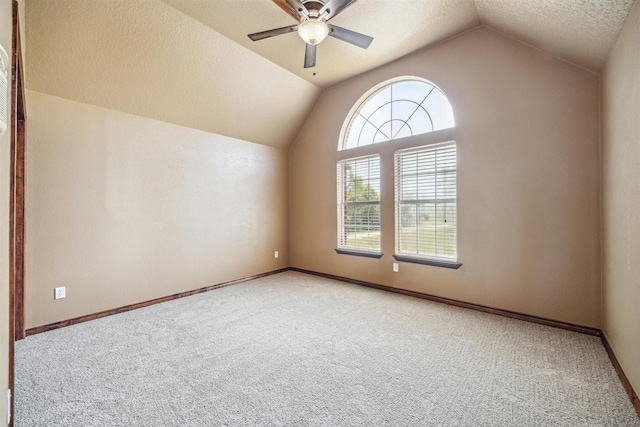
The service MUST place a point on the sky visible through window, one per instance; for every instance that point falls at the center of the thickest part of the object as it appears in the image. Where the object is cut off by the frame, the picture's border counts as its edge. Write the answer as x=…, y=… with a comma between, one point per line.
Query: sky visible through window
x=399, y=110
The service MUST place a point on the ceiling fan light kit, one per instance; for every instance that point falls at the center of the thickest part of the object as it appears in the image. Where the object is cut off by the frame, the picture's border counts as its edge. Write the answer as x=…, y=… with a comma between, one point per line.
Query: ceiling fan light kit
x=313, y=31
x=312, y=17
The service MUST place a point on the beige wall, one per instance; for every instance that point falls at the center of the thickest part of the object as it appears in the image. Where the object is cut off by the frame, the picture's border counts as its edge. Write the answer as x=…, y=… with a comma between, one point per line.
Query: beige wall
x=528, y=180
x=122, y=209
x=5, y=164
x=621, y=198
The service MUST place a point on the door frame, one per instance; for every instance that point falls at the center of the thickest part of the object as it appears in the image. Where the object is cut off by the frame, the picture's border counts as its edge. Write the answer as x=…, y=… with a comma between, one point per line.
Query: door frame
x=16, y=201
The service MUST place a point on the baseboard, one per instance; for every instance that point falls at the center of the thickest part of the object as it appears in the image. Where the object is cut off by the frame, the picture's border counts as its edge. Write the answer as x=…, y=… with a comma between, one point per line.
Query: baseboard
x=477, y=307
x=623, y=377
x=93, y=316
x=511, y=314
x=485, y=309
x=514, y=315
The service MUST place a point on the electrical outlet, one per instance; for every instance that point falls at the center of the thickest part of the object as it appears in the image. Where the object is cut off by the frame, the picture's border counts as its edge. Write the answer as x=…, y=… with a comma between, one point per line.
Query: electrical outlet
x=275, y=254
x=60, y=292
x=395, y=267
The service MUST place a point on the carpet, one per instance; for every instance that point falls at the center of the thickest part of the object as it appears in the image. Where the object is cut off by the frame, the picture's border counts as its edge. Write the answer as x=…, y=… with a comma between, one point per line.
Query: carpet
x=297, y=350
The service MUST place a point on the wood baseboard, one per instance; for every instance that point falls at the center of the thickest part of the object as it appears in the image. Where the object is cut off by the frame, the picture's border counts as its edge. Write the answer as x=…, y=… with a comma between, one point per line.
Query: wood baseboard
x=477, y=307
x=524, y=317
x=623, y=377
x=93, y=316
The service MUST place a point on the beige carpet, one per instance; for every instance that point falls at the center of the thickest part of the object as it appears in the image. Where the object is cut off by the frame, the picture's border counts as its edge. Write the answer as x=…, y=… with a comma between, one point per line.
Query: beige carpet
x=298, y=350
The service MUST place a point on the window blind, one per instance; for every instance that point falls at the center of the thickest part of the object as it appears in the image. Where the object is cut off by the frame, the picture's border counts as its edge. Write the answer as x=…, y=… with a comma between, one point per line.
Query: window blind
x=359, y=204
x=425, y=180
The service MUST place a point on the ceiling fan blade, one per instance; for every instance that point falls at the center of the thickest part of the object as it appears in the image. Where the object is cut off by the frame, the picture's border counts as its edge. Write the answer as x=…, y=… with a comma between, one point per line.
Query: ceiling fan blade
x=310, y=56
x=349, y=36
x=294, y=8
x=272, y=33
x=335, y=7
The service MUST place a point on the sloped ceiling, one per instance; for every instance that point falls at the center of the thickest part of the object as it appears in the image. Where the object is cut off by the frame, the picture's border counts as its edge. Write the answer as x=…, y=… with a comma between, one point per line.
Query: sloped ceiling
x=190, y=62
x=398, y=27
x=580, y=31
x=146, y=58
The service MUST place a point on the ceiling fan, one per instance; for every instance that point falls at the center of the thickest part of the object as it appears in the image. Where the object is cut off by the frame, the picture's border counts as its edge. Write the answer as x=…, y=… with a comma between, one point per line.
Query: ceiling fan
x=312, y=27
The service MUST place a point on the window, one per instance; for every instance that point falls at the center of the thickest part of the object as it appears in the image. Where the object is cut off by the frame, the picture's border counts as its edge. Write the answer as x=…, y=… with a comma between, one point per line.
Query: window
x=359, y=206
x=425, y=181
x=397, y=110
x=425, y=174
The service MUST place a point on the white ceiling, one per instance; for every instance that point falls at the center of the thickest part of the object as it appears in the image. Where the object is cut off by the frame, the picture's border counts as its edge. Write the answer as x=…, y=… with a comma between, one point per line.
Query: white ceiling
x=580, y=31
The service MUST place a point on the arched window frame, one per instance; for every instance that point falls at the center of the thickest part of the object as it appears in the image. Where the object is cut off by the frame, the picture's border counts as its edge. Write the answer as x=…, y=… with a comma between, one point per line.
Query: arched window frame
x=373, y=92
x=388, y=152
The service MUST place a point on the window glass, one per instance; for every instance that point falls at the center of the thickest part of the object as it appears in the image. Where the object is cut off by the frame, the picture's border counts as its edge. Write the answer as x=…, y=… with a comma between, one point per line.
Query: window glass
x=359, y=204
x=400, y=109
x=426, y=205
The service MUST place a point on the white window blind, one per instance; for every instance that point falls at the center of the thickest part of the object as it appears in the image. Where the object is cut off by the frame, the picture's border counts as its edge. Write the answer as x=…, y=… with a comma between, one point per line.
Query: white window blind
x=425, y=179
x=359, y=204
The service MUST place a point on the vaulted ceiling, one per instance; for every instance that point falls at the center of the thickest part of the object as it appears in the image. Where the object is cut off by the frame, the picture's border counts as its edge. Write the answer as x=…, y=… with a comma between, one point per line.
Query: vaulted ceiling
x=190, y=62
x=580, y=31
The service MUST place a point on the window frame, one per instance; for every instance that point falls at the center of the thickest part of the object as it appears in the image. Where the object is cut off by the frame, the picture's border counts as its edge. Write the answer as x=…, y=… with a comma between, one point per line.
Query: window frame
x=386, y=150
x=416, y=257
x=341, y=246
x=370, y=94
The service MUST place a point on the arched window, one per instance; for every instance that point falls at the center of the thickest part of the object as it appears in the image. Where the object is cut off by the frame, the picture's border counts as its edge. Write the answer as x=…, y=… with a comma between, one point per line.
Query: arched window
x=405, y=107
x=424, y=175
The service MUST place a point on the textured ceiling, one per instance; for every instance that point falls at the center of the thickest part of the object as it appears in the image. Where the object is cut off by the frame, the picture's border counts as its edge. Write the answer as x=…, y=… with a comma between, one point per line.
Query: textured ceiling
x=397, y=26
x=190, y=62
x=580, y=31
x=146, y=58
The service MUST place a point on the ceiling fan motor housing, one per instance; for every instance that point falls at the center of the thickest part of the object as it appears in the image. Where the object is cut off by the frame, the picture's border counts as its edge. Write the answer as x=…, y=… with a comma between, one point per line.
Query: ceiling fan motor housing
x=313, y=7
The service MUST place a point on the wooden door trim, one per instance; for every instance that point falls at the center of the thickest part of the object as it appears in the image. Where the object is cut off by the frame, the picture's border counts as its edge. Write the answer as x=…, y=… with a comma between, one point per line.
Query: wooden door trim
x=17, y=184
x=16, y=200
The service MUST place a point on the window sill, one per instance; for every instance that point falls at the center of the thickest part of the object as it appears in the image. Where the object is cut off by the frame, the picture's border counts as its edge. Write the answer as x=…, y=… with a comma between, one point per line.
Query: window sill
x=424, y=261
x=359, y=253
